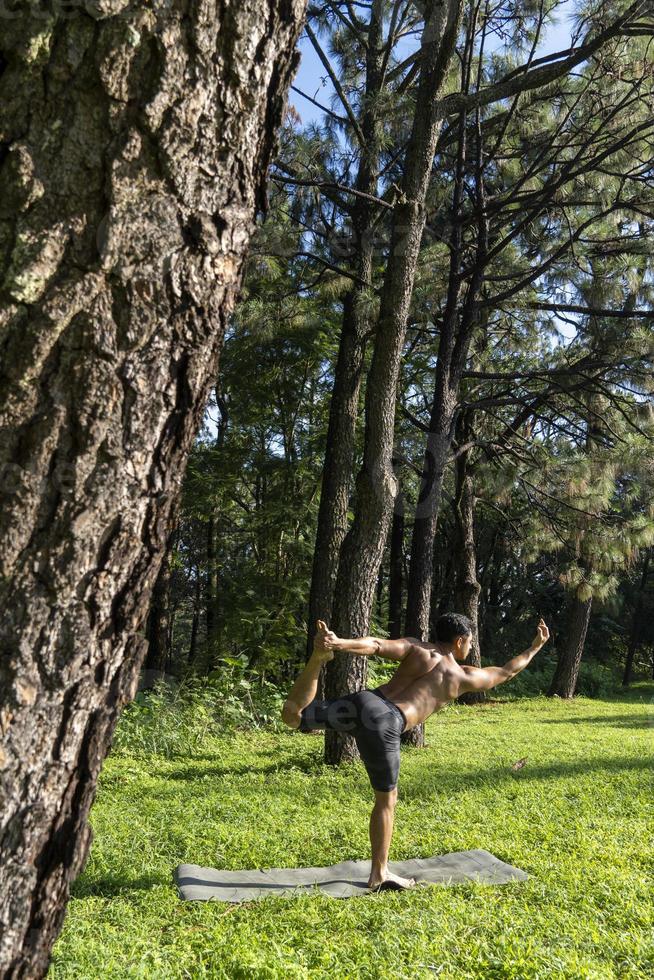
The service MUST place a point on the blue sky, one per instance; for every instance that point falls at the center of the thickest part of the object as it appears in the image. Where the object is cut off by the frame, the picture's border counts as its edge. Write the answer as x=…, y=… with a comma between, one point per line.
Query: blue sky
x=310, y=76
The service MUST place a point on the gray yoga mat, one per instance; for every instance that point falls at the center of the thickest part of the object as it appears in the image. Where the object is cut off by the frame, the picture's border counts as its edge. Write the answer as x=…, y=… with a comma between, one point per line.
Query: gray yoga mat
x=342, y=880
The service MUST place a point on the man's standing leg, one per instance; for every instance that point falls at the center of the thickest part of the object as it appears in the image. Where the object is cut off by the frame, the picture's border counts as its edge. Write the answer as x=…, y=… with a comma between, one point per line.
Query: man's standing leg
x=378, y=741
x=381, y=832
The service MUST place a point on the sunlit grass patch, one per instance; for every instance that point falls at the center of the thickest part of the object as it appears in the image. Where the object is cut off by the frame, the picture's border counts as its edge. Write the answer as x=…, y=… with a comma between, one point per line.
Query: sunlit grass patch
x=577, y=817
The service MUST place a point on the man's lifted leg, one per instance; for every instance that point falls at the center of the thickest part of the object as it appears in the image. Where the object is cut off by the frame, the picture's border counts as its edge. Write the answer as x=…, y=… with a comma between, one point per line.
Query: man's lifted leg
x=306, y=684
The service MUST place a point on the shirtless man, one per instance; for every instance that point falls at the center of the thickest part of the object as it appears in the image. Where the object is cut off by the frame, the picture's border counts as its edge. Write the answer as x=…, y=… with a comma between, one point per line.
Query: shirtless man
x=429, y=675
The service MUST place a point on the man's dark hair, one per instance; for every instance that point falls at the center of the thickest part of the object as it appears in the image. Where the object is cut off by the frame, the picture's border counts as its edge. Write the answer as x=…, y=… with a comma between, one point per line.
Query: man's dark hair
x=450, y=625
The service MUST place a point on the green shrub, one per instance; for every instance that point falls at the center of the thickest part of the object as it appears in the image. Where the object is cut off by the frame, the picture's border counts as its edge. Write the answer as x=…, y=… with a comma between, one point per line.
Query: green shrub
x=166, y=720
x=595, y=680
x=178, y=718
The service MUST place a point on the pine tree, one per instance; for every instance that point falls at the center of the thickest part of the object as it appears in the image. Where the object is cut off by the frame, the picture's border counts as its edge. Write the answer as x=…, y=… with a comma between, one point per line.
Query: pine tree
x=130, y=179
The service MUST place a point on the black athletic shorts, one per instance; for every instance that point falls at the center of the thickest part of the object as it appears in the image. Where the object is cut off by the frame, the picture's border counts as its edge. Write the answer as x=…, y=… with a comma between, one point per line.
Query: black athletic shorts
x=376, y=725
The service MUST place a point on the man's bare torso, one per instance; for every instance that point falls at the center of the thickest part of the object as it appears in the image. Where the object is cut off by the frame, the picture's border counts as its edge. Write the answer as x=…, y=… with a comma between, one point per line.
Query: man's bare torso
x=424, y=681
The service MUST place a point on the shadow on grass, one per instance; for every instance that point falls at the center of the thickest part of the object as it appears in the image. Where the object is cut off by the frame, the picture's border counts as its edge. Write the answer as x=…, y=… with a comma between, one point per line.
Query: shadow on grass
x=619, y=721
x=439, y=778
x=312, y=766
x=110, y=886
x=448, y=781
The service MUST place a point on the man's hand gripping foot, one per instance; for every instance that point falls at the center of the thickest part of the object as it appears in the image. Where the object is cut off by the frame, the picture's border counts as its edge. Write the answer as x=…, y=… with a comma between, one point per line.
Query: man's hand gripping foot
x=324, y=642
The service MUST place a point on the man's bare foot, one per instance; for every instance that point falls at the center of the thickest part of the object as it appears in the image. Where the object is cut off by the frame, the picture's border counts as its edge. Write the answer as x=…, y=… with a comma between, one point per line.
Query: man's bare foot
x=322, y=642
x=390, y=882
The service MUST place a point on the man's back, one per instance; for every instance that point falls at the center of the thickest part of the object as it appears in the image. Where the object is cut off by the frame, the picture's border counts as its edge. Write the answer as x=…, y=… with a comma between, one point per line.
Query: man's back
x=424, y=681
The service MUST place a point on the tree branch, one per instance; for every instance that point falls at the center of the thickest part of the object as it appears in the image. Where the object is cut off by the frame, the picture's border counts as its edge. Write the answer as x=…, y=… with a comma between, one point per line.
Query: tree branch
x=523, y=79
x=338, y=88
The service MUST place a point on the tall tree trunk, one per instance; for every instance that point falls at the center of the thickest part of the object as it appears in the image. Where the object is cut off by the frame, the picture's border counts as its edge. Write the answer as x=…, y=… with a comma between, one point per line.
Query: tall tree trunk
x=425, y=522
x=211, y=595
x=636, y=624
x=158, y=624
x=137, y=141
x=442, y=598
x=344, y=405
x=564, y=681
x=396, y=570
x=376, y=485
x=195, y=621
x=460, y=315
x=412, y=736
x=465, y=555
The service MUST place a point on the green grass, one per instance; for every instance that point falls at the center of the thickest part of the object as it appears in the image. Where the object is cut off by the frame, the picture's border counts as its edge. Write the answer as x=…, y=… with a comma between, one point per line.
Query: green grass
x=577, y=818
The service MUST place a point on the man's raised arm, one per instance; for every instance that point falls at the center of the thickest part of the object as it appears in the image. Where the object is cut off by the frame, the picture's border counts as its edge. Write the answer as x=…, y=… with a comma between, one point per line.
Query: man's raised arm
x=367, y=646
x=485, y=678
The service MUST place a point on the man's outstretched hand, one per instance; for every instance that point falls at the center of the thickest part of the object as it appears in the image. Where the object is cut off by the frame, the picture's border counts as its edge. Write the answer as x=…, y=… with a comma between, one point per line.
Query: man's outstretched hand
x=542, y=634
x=325, y=642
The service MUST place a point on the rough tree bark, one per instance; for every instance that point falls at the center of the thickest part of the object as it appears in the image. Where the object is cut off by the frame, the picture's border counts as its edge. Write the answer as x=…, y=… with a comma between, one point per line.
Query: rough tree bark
x=134, y=144
x=564, y=681
x=376, y=484
x=465, y=554
x=396, y=569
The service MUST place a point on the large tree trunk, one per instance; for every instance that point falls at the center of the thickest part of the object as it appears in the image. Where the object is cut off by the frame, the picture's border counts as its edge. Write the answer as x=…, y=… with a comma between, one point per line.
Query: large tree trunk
x=337, y=473
x=412, y=736
x=195, y=621
x=158, y=624
x=460, y=315
x=437, y=450
x=396, y=569
x=465, y=554
x=136, y=141
x=376, y=485
x=564, y=681
x=634, y=635
x=344, y=405
x=442, y=595
x=211, y=595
